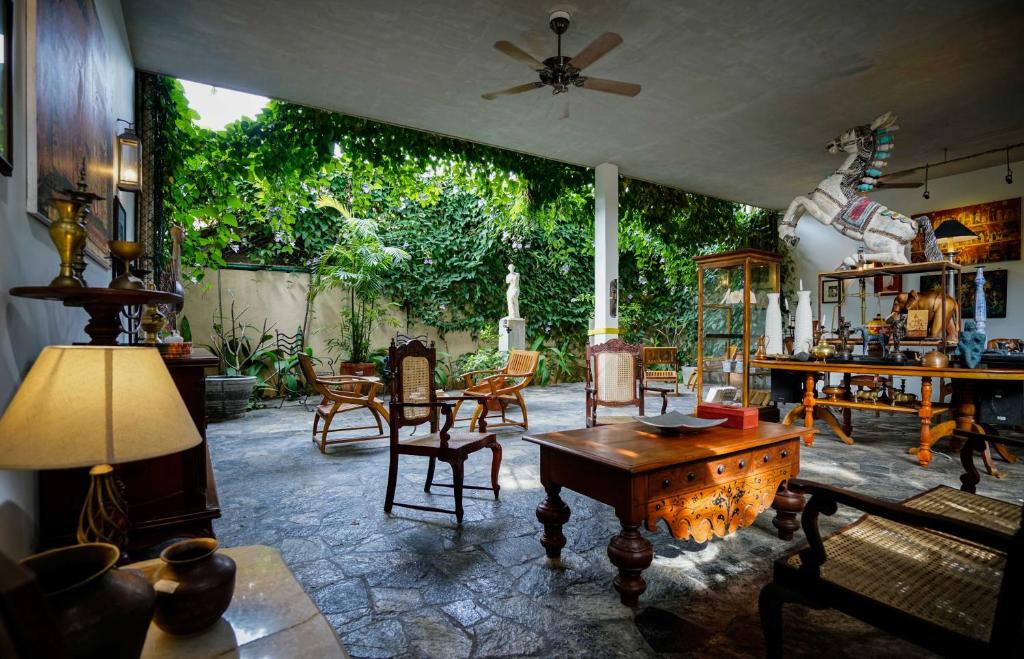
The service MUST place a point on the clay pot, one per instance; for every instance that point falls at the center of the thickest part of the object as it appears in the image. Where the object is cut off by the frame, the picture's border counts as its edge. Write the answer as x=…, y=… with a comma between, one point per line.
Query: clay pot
x=100, y=611
x=361, y=369
x=194, y=586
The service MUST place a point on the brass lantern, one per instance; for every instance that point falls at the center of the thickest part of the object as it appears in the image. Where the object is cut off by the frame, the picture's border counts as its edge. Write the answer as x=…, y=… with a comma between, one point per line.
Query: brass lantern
x=129, y=159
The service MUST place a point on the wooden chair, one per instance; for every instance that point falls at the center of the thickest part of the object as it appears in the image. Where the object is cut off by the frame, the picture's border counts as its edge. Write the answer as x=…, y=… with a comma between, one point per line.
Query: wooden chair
x=943, y=569
x=414, y=401
x=615, y=378
x=501, y=388
x=340, y=394
x=663, y=356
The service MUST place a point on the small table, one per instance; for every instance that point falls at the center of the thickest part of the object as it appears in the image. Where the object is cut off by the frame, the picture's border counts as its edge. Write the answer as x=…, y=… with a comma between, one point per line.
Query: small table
x=703, y=484
x=269, y=616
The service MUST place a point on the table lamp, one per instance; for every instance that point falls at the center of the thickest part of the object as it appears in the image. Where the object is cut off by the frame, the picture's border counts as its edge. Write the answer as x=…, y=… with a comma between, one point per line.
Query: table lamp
x=948, y=234
x=95, y=406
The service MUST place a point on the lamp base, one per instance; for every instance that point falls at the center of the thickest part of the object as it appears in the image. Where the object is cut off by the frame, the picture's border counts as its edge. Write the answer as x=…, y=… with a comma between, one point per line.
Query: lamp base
x=104, y=516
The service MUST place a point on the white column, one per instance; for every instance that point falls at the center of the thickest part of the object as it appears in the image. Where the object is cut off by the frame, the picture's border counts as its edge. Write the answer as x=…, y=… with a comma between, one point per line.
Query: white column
x=606, y=252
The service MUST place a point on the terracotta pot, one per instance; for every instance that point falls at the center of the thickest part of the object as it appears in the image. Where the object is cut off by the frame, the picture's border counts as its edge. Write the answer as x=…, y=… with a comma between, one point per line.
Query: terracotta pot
x=362, y=369
x=100, y=611
x=194, y=586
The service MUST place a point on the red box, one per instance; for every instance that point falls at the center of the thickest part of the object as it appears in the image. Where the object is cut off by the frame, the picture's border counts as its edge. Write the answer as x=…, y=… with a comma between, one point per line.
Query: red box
x=736, y=417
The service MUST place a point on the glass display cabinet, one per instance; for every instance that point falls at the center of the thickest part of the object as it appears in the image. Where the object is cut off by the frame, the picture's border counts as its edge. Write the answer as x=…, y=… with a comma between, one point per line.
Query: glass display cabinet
x=732, y=290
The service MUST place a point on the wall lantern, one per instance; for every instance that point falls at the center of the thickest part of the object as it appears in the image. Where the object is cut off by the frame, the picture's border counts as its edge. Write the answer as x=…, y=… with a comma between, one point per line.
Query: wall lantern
x=129, y=159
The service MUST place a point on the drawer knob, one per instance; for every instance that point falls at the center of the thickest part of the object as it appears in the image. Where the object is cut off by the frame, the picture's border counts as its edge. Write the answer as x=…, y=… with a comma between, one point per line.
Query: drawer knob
x=742, y=464
x=665, y=483
x=721, y=469
x=766, y=458
x=785, y=454
x=691, y=476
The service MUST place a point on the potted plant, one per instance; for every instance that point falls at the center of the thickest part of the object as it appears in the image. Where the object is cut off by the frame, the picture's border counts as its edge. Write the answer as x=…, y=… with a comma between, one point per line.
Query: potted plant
x=244, y=351
x=355, y=263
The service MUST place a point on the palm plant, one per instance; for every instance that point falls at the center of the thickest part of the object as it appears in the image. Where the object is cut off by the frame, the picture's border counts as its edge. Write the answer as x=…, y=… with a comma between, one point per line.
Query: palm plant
x=355, y=262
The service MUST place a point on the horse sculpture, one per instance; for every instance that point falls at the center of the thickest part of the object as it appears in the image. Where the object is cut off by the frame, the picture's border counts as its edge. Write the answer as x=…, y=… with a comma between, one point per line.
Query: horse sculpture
x=839, y=201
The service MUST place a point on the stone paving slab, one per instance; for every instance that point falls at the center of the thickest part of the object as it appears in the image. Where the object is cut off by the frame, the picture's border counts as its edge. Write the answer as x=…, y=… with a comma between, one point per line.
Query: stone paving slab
x=413, y=584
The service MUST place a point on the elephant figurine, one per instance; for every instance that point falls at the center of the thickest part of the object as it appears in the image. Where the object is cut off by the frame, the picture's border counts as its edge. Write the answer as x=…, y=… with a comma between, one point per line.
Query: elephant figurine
x=932, y=301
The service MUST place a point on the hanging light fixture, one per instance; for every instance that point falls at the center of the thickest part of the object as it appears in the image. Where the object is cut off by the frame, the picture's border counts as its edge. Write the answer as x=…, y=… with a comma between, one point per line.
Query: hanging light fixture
x=926, y=195
x=1009, y=172
x=129, y=159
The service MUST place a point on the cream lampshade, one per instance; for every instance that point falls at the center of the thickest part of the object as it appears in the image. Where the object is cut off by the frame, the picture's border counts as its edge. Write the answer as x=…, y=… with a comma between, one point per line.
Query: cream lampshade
x=94, y=406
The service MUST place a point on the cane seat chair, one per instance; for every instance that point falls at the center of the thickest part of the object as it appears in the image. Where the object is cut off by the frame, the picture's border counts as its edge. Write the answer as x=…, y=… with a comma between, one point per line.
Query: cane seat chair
x=661, y=364
x=943, y=569
x=415, y=401
x=340, y=394
x=499, y=388
x=615, y=378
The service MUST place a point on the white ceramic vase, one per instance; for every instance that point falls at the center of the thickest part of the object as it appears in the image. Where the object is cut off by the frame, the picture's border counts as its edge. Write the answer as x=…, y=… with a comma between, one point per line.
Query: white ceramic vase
x=803, y=332
x=773, y=326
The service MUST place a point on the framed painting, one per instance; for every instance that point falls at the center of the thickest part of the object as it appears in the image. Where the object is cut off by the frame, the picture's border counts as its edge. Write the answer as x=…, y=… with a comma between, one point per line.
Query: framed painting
x=997, y=224
x=888, y=284
x=6, y=89
x=830, y=291
x=71, y=120
x=996, y=300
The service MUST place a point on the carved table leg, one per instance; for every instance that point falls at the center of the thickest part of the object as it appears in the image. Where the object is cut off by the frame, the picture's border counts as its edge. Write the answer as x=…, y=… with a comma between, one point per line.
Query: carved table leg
x=809, y=407
x=788, y=506
x=847, y=412
x=792, y=415
x=632, y=554
x=553, y=513
x=924, y=454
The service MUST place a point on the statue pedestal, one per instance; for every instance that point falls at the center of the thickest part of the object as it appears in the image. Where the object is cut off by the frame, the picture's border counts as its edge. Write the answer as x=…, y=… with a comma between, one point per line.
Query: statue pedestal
x=511, y=334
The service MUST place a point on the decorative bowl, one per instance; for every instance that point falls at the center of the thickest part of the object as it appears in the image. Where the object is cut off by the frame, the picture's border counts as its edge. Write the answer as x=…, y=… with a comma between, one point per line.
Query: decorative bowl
x=676, y=422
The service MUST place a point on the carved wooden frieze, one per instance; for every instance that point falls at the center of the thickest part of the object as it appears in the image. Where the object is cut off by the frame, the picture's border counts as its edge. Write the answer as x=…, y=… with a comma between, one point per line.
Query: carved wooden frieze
x=719, y=509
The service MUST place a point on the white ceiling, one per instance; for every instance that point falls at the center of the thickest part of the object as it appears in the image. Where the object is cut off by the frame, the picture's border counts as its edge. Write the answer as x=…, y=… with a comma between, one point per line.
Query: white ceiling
x=738, y=101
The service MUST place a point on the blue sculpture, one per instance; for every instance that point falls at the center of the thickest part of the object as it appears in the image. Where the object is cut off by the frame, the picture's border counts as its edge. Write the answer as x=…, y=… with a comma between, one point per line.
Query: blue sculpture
x=972, y=344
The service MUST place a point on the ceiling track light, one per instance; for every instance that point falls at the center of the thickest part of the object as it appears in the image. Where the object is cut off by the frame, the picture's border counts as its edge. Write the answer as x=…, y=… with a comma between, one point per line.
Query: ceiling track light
x=926, y=195
x=1009, y=172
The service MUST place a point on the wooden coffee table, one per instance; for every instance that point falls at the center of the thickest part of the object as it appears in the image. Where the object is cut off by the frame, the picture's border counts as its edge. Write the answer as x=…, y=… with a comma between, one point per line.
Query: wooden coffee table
x=703, y=484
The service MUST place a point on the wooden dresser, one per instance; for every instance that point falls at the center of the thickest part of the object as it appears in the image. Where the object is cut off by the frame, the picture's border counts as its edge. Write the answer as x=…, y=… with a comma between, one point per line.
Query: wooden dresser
x=170, y=496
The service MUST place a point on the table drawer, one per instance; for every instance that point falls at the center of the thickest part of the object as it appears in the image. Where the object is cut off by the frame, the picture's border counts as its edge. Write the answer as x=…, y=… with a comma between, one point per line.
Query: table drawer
x=773, y=456
x=678, y=479
x=728, y=468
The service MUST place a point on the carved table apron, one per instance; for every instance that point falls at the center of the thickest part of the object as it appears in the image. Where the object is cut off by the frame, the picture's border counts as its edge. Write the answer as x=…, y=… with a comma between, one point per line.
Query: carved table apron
x=703, y=484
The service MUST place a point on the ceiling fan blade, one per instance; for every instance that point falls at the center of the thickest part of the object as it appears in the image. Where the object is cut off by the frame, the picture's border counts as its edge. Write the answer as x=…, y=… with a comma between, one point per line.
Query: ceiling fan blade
x=910, y=184
x=518, y=89
x=611, y=86
x=517, y=53
x=597, y=49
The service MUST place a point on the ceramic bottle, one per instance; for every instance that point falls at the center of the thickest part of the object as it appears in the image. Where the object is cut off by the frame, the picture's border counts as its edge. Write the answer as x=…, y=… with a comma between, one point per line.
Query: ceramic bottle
x=804, y=329
x=773, y=326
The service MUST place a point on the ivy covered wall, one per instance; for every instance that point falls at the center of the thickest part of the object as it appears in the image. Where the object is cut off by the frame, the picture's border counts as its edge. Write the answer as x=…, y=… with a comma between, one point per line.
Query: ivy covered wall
x=461, y=210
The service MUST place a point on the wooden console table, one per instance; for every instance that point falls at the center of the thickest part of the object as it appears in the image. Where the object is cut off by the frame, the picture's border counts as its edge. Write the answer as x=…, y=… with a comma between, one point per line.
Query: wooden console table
x=962, y=381
x=703, y=484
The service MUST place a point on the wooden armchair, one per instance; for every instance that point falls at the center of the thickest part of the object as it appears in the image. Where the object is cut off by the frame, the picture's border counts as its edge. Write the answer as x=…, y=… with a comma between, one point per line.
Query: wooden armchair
x=663, y=357
x=495, y=390
x=615, y=378
x=340, y=394
x=943, y=569
x=414, y=401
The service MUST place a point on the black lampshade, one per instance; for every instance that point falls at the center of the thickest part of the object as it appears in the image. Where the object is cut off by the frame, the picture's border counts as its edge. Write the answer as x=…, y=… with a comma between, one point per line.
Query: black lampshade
x=953, y=231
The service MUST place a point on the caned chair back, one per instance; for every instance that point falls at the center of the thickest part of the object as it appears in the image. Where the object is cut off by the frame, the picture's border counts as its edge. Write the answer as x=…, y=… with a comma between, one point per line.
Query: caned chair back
x=614, y=372
x=523, y=361
x=412, y=381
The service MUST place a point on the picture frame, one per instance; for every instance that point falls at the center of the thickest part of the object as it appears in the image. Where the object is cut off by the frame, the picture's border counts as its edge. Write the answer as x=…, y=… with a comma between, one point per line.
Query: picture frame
x=830, y=291
x=888, y=284
x=917, y=323
x=996, y=223
x=996, y=295
x=6, y=87
x=120, y=220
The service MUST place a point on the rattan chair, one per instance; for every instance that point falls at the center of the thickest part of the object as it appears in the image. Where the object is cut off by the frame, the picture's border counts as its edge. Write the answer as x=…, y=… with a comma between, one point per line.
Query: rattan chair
x=661, y=364
x=414, y=401
x=340, y=394
x=501, y=388
x=615, y=378
x=943, y=569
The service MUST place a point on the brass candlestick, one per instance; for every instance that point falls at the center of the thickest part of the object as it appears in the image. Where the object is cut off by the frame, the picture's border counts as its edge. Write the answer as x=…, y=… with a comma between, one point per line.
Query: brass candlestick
x=126, y=251
x=68, y=237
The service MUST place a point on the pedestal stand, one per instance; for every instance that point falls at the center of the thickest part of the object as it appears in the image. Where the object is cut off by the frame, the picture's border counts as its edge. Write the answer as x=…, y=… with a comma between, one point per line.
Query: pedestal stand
x=511, y=334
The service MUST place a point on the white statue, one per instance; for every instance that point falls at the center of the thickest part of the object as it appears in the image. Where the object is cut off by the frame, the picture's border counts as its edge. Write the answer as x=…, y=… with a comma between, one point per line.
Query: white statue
x=838, y=200
x=512, y=296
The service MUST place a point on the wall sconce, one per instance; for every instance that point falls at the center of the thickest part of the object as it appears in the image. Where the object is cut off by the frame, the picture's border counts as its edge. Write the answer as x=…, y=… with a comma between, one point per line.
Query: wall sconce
x=129, y=159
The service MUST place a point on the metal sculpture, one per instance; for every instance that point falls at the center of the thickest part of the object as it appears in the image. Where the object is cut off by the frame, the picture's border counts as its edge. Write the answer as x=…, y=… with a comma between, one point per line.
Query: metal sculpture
x=838, y=200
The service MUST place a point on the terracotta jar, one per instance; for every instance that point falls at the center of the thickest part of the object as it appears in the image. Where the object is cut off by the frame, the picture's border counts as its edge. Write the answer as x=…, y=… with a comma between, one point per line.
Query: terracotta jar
x=194, y=586
x=100, y=611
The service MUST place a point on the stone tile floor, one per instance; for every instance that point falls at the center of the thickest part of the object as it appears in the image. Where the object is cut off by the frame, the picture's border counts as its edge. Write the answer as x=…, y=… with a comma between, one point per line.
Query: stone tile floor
x=413, y=584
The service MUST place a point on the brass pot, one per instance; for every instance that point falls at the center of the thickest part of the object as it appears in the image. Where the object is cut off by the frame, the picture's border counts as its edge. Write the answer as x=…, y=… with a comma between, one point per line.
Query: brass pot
x=126, y=251
x=194, y=586
x=100, y=611
x=935, y=359
x=68, y=236
x=822, y=350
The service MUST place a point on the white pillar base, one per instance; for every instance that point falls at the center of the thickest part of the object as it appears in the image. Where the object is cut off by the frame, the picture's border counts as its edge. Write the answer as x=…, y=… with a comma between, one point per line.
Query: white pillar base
x=511, y=334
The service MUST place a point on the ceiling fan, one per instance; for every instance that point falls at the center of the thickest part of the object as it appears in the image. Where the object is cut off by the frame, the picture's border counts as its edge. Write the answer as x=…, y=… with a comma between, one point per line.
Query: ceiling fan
x=561, y=72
